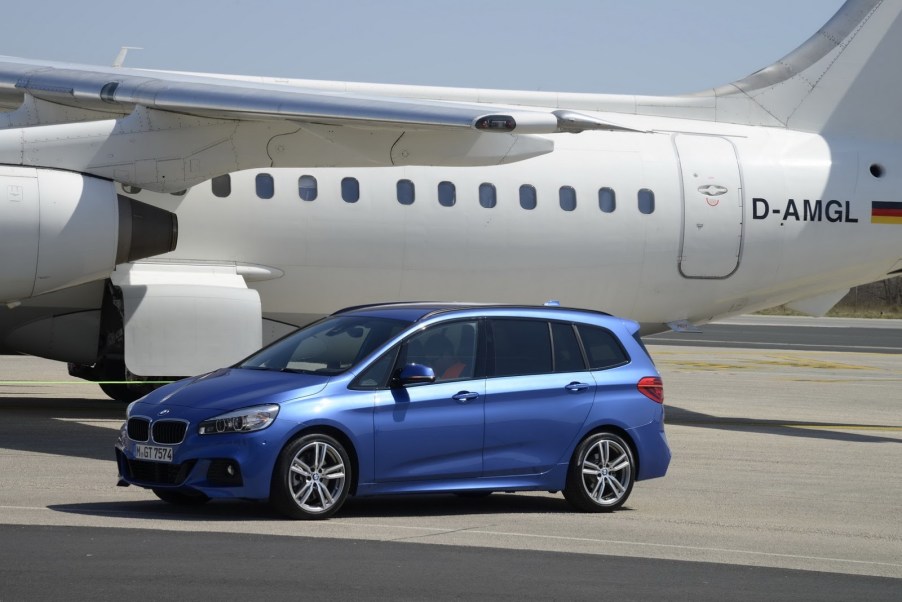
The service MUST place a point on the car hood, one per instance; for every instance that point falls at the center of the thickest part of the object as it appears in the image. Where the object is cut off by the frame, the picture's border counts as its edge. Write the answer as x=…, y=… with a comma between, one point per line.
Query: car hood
x=233, y=388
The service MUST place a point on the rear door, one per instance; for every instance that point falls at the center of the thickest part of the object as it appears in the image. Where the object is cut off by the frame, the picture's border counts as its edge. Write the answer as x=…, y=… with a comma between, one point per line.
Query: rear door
x=538, y=395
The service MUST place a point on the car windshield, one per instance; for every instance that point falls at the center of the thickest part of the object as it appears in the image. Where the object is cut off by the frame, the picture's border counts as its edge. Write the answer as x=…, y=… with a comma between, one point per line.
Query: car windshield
x=329, y=347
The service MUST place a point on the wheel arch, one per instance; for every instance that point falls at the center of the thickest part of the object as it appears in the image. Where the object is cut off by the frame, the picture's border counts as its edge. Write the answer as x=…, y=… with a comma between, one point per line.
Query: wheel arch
x=615, y=430
x=338, y=435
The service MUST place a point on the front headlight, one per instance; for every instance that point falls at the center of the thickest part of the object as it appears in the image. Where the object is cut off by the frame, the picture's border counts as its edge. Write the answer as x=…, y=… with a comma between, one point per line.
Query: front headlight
x=245, y=420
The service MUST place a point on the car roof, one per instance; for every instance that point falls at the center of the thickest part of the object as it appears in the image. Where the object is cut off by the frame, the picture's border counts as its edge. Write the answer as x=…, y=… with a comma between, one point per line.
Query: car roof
x=416, y=311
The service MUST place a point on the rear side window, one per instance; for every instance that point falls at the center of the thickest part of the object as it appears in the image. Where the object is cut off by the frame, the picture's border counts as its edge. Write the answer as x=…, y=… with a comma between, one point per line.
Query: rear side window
x=521, y=347
x=567, y=356
x=603, y=350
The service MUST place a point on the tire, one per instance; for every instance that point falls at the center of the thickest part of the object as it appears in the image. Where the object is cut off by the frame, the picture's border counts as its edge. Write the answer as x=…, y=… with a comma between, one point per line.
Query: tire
x=312, y=478
x=180, y=498
x=601, y=474
x=126, y=392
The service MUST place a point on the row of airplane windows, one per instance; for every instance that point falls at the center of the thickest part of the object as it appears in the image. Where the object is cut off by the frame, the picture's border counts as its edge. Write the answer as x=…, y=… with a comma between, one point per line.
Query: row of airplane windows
x=308, y=190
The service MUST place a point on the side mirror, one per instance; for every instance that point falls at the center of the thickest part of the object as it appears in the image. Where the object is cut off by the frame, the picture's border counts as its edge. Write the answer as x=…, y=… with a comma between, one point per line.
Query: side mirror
x=415, y=374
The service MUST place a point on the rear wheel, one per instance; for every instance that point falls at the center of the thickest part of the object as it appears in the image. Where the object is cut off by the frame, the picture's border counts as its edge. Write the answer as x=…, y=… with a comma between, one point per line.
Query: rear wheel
x=601, y=473
x=180, y=498
x=312, y=477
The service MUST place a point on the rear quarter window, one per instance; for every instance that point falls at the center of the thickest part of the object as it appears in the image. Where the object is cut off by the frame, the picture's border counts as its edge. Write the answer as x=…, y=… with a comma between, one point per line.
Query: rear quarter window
x=602, y=348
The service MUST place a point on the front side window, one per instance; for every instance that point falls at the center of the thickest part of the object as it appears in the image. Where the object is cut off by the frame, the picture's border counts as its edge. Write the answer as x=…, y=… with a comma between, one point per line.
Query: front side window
x=447, y=194
x=449, y=349
x=521, y=347
x=307, y=188
x=266, y=188
x=568, y=198
x=488, y=196
x=406, y=192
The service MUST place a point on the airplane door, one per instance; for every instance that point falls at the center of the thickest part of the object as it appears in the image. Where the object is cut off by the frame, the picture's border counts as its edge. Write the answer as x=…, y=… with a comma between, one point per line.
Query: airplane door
x=712, y=207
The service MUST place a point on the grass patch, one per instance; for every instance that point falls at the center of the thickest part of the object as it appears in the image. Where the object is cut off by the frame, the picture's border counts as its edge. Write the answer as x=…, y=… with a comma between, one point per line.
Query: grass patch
x=840, y=312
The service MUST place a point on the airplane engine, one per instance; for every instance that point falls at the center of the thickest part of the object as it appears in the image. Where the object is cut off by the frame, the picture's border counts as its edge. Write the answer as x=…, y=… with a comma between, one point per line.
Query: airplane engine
x=59, y=229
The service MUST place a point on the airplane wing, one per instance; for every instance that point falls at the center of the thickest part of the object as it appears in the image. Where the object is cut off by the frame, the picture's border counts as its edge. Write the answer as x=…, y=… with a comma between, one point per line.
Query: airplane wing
x=119, y=91
x=166, y=131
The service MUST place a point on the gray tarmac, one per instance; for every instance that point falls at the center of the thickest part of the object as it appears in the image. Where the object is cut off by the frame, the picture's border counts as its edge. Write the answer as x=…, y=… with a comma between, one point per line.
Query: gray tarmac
x=785, y=483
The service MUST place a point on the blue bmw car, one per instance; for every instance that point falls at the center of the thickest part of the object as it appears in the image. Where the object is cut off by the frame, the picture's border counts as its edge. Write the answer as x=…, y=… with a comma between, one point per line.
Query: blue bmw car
x=411, y=398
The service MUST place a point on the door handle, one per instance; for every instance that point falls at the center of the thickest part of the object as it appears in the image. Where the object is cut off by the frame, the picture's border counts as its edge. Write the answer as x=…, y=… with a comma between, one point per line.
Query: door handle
x=465, y=396
x=575, y=387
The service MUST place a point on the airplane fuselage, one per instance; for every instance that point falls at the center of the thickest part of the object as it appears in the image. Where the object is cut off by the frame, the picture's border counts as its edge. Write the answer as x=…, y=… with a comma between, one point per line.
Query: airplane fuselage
x=724, y=236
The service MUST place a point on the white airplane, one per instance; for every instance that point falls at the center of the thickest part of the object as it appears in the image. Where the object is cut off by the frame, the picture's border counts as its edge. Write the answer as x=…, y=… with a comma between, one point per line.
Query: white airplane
x=157, y=224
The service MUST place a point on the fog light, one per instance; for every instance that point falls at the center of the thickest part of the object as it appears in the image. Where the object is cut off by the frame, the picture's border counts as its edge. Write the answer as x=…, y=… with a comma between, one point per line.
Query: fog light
x=230, y=470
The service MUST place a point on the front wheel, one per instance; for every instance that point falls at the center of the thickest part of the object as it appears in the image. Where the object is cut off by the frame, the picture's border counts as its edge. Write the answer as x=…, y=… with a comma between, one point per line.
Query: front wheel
x=601, y=474
x=312, y=477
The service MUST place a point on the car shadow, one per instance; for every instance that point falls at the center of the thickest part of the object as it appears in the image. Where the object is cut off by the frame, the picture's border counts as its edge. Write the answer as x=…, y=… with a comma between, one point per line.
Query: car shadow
x=392, y=506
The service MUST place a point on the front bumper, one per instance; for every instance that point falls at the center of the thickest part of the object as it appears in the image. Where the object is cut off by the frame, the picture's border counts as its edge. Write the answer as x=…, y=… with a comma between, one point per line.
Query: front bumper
x=219, y=466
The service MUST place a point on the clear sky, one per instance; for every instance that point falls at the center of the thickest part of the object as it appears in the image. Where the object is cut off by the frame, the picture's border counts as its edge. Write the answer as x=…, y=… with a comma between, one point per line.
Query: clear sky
x=616, y=46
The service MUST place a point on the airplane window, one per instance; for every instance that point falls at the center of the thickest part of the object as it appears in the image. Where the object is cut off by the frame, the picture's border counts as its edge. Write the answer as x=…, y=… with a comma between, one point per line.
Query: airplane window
x=488, y=196
x=646, y=201
x=607, y=200
x=447, y=194
x=266, y=188
x=568, y=198
x=350, y=190
x=528, y=197
x=222, y=186
x=307, y=188
x=406, y=192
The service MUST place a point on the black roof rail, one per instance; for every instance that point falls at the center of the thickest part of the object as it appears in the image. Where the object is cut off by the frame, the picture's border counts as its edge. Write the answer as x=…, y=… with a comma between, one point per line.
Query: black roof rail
x=447, y=306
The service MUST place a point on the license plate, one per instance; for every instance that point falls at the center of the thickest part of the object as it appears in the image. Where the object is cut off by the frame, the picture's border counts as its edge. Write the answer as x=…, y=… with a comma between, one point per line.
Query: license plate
x=153, y=453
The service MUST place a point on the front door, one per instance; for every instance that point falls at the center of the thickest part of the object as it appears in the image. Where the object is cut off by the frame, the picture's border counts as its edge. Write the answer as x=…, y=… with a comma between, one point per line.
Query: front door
x=434, y=431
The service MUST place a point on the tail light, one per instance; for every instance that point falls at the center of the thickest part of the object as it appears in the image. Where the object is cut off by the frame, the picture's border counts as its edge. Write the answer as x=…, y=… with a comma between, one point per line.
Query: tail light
x=652, y=387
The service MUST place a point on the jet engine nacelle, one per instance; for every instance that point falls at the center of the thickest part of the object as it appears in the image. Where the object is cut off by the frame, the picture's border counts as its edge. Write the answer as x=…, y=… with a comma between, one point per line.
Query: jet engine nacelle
x=59, y=229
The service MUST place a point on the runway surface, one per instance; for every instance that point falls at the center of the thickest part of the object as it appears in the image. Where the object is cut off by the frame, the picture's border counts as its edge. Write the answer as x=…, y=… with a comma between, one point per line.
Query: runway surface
x=785, y=484
x=847, y=335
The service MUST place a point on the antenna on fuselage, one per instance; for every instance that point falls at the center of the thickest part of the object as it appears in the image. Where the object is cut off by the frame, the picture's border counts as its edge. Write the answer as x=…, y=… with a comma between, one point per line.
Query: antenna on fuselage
x=120, y=58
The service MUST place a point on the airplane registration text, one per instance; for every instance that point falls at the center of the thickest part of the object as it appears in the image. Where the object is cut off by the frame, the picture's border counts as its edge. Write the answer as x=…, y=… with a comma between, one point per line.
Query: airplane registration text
x=806, y=211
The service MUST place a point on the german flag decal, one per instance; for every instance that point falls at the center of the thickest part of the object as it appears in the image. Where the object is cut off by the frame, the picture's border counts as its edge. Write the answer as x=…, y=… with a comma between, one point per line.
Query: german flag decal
x=886, y=212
